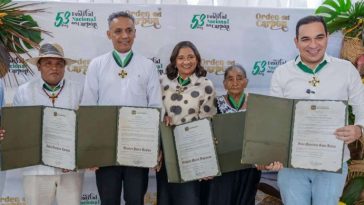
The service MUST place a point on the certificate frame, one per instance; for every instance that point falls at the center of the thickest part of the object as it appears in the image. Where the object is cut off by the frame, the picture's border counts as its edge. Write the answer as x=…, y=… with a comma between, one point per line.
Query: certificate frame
x=102, y=149
x=98, y=152
x=269, y=130
x=26, y=143
x=228, y=131
x=171, y=155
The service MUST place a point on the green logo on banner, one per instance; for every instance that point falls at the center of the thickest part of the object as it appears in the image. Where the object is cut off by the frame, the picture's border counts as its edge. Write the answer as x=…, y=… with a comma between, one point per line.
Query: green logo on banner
x=80, y=18
x=198, y=21
x=259, y=67
x=215, y=20
x=62, y=19
x=266, y=66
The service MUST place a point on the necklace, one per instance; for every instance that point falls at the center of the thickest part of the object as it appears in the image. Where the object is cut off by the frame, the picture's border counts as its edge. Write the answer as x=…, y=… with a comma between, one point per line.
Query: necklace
x=53, y=96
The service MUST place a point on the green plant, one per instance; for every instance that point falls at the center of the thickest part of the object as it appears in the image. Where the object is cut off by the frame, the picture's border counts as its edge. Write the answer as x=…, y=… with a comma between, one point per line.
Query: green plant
x=353, y=191
x=18, y=32
x=342, y=15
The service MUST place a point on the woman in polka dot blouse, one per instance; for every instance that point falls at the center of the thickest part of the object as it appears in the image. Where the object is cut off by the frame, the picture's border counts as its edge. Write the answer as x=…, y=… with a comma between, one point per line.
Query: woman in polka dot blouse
x=187, y=96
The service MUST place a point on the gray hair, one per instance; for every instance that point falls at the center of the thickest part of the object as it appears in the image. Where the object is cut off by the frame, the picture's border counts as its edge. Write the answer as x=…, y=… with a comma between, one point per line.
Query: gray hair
x=120, y=14
x=236, y=66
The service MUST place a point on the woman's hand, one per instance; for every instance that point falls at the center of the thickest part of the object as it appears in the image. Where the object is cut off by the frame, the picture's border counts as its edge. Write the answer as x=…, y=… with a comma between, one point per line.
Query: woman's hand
x=167, y=120
x=157, y=168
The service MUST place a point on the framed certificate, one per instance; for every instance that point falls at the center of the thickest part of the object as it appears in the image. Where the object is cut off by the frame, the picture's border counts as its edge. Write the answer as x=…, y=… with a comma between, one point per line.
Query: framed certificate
x=38, y=135
x=189, y=151
x=92, y=136
x=298, y=133
x=114, y=135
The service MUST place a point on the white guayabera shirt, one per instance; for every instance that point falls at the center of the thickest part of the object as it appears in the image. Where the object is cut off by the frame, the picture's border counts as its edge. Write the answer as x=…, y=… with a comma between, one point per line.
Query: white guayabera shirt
x=32, y=93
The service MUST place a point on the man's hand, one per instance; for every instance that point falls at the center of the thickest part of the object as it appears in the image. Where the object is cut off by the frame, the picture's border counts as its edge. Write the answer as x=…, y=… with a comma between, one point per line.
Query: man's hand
x=274, y=166
x=206, y=178
x=349, y=133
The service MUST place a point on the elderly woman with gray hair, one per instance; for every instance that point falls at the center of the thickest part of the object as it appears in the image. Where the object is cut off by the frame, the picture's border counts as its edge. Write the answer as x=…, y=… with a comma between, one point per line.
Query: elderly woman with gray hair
x=237, y=187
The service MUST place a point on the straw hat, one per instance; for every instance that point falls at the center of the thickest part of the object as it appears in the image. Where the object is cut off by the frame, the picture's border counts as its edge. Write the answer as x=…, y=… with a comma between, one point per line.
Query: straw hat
x=49, y=50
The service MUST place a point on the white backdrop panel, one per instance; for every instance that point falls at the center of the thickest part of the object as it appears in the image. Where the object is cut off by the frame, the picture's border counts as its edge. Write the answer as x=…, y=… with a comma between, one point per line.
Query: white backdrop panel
x=260, y=39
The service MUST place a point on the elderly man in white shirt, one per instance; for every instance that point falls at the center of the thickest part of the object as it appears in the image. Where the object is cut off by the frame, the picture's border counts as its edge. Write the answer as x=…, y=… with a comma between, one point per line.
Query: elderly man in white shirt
x=315, y=75
x=43, y=184
x=122, y=77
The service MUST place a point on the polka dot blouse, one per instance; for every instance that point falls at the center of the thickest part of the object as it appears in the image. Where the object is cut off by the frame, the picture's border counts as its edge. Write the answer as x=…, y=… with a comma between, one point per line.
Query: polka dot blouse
x=188, y=103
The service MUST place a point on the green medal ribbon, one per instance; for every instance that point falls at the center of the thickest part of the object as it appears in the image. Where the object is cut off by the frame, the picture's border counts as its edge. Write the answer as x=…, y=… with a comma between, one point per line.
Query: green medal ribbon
x=53, y=96
x=119, y=61
x=306, y=69
x=54, y=89
x=238, y=105
x=183, y=82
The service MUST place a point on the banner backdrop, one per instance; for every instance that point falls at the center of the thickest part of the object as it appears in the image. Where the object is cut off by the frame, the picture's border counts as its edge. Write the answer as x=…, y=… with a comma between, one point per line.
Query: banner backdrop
x=260, y=39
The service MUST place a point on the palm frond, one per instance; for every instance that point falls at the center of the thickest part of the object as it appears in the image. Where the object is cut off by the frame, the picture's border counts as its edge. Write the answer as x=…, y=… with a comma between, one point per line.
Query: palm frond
x=19, y=32
x=332, y=9
x=342, y=15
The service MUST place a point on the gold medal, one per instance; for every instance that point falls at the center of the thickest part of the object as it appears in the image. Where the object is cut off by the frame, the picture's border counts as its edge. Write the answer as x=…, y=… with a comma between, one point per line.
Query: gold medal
x=122, y=64
x=314, y=82
x=123, y=73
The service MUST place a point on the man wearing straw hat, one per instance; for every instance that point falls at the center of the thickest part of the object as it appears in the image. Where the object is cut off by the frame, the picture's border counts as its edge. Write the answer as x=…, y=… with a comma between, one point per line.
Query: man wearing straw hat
x=43, y=184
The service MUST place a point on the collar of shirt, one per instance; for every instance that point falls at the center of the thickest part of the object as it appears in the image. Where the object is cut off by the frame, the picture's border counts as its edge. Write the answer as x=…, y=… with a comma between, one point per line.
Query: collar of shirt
x=123, y=55
x=43, y=83
x=299, y=60
x=193, y=79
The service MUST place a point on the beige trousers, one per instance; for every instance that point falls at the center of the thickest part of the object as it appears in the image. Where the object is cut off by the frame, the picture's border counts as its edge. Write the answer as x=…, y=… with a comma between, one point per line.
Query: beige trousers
x=44, y=189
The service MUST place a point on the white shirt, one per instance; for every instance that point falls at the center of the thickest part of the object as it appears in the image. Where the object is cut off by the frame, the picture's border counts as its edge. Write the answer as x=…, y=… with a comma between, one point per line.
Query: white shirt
x=104, y=86
x=31, y=93
x=339, y=80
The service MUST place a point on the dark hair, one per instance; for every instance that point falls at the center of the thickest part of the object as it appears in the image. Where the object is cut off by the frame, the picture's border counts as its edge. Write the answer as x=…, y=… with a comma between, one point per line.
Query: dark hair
x=171, y=69
x=236, y=66
x=308, y=20
x=120, y=14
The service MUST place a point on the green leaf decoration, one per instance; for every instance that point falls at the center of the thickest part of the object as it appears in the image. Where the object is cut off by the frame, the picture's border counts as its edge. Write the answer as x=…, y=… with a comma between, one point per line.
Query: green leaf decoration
x=342, y=15
x=19, y=32
x=330, y=9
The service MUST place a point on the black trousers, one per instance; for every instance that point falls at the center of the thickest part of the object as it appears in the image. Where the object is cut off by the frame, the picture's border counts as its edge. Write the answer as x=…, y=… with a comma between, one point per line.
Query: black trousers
x=232, y=188
x=176, y=194
x=110, y=180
